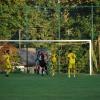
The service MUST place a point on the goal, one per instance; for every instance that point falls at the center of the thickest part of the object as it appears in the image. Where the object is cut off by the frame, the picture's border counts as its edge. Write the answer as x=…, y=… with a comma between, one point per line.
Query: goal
x=62, y=47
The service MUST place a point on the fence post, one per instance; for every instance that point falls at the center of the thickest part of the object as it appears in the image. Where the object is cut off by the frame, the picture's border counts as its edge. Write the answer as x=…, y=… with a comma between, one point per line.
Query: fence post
x=99, y=48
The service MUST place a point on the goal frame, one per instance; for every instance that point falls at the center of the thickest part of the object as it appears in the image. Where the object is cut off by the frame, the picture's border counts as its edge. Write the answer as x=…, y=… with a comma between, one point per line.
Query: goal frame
x=59, y=41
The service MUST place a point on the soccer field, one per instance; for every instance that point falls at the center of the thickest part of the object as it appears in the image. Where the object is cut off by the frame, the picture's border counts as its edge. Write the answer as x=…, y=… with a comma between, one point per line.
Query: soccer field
x=60, y=87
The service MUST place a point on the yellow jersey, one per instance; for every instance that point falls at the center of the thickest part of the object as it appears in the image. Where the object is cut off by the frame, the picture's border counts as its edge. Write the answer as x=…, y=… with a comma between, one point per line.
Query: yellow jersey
x=71, y=57
x=8, y=64
x=54, y=59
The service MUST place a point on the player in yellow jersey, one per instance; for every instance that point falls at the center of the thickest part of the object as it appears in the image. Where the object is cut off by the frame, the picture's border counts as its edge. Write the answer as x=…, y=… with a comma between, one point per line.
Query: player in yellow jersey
x=71, y=63
x=8, y=66
x=54, y=64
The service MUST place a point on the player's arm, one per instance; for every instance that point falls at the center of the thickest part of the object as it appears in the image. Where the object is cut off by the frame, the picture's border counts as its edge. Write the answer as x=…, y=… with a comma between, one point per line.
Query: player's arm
x=75, y=57
x=68, y=58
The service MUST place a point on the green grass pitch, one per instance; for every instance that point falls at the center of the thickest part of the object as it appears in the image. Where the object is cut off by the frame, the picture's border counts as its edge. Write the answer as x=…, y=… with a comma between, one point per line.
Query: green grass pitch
x=36, y=87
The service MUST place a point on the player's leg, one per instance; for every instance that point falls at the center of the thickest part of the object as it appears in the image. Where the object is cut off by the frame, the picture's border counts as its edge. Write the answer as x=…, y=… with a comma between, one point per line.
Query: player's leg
x=42, y=71
x=46, y=69
x=8, y=69
x=42, y=67
x=69, y=69
x=74, y=70
x=53, y=70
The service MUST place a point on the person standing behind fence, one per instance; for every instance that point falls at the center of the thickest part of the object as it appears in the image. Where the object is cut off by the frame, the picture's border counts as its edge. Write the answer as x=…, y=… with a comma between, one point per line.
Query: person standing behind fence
x=7, y=62
x=71, y=63
x=54, y=64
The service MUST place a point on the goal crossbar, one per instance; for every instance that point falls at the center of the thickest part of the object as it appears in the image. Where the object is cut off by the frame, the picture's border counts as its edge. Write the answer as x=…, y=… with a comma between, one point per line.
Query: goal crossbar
x=45, y=40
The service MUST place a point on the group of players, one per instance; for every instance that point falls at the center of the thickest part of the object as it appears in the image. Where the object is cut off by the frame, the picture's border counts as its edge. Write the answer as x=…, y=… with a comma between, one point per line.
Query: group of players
x=71, y=57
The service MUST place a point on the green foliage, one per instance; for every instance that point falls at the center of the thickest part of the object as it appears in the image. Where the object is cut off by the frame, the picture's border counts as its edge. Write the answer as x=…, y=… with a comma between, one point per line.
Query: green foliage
x=29, y=15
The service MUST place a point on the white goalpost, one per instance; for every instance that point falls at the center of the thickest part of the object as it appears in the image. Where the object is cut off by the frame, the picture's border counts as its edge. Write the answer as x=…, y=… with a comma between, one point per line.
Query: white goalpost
x=58, y=41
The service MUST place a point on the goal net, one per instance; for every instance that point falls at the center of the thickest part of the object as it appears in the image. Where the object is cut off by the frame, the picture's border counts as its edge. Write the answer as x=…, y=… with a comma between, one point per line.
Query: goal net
x=25, y=52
